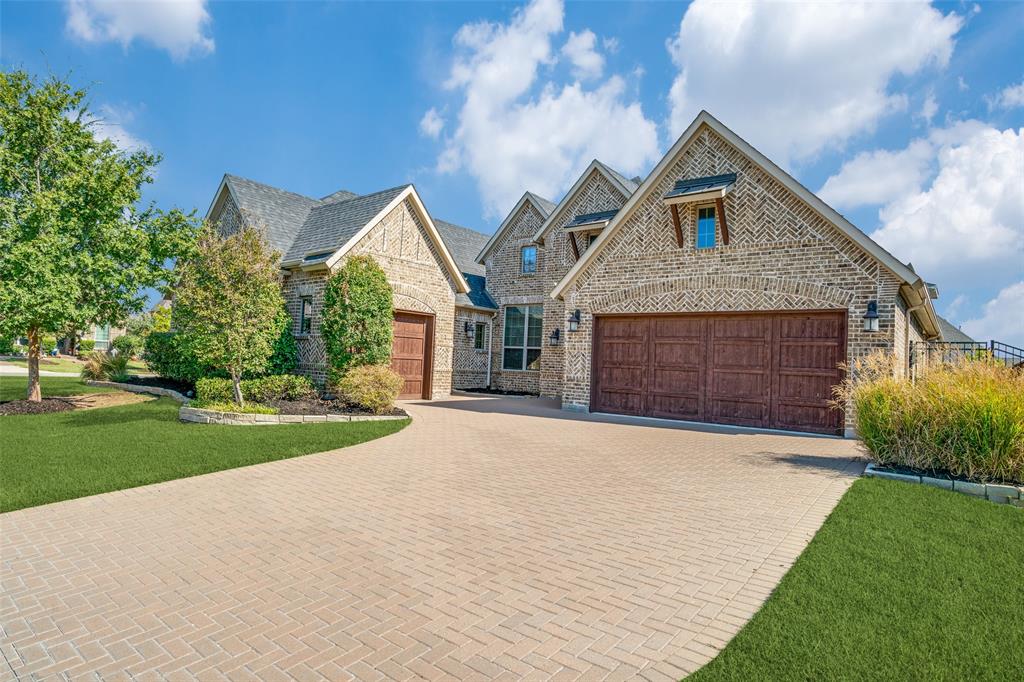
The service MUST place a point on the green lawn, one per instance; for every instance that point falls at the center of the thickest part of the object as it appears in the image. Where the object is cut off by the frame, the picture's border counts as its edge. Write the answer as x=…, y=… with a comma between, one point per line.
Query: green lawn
x=49, y=364
x=902, y=582
x=13, y=388
x=51, y=457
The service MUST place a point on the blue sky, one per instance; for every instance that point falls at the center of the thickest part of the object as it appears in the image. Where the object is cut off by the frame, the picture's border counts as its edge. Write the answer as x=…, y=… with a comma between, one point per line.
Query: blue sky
x=906, y=117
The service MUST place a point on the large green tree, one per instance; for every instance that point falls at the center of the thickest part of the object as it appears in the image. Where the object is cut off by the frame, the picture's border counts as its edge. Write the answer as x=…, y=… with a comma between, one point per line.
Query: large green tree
x=77, y=247
x=227, y=301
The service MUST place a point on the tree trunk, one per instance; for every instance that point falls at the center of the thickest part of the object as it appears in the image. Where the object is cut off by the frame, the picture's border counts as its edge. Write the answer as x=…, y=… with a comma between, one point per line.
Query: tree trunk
x=237, y=383
x=72, y=344
x=35, y=394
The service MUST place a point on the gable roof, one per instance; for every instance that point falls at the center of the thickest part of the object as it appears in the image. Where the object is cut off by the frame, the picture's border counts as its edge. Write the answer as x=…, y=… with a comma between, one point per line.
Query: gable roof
x=464, y=244
x=543, y=206
x=309, y=231
x=951, y=332
x=619, y=181
x=915, y=290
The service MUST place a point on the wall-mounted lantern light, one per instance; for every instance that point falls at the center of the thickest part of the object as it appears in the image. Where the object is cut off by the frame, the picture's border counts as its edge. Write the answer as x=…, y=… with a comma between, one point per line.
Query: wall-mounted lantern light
x=574, y=320
x=469, y=330
x=871, y=317
x=554, y=338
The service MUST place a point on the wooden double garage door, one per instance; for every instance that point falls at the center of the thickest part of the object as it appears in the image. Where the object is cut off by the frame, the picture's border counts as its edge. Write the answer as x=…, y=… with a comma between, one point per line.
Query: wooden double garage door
x=412, y=353
x=768, y=370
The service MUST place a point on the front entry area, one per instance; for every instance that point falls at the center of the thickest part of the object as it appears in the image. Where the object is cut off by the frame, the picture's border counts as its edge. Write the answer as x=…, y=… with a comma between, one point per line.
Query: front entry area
x=412, y=353
x=765, y=370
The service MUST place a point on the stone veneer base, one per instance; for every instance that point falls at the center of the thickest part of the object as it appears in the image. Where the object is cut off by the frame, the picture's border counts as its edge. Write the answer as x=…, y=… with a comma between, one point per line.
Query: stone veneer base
x=998, y=493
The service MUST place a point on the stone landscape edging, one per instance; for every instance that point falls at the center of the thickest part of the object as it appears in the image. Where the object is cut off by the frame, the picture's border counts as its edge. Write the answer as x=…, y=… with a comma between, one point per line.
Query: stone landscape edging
x=198, y=415
x=994, y=492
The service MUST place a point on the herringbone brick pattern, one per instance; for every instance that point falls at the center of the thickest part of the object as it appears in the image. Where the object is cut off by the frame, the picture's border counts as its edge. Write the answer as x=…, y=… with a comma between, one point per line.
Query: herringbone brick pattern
x=492, y=539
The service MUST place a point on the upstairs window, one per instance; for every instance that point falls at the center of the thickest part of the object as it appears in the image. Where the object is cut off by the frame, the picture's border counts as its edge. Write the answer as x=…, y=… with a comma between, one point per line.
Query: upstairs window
x=306, y=316
x=528, y=260
x=706, y=227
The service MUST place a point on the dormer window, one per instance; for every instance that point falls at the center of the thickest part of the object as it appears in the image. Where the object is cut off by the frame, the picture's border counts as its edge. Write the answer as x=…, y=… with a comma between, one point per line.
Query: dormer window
x=528, y=260
x=706, y=227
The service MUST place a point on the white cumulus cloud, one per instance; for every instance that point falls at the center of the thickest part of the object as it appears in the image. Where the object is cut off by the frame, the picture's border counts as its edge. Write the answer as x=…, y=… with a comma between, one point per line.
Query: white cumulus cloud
x=431, y=124
x=965, y=227
x=1010, y=97
x=516, y=129
x=798, y=78
x=178, y=26
x=581, y=50
x=109, y=123
x=1002, y=318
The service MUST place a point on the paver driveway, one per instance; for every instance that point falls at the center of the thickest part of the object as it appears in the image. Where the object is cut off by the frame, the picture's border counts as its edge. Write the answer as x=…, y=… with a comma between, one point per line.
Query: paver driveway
x=492, y=538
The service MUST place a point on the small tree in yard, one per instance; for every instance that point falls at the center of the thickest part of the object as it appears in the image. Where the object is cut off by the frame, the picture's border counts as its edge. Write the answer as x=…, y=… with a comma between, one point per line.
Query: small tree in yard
x=357, y=316
x=227, y=303
x=76, y=249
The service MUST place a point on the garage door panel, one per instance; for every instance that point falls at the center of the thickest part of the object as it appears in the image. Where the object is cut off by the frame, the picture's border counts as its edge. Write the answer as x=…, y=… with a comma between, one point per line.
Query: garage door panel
x=631, y=378
x=410, y=352
x=621, y=401
x=744, y=327
x=808, y=328
x=678, y=354
x=676, y=407
x=739, y=412
x=805, y=417
x=824, y=356
x=812, y=387
x=739, y=354
x=625, y=352
x=675, y=381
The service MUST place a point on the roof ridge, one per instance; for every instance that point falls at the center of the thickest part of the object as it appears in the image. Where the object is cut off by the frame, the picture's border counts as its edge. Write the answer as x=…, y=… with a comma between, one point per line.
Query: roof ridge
x=273, y=187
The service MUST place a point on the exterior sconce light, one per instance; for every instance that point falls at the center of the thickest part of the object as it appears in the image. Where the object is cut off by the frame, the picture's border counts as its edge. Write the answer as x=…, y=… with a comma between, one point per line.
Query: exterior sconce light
x=574, y=320
x=468, y=328
x=871, y=317
x=555, y=336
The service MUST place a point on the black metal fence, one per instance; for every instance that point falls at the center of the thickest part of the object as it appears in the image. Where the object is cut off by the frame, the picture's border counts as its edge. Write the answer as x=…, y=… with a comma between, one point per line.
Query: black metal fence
x=929, y=353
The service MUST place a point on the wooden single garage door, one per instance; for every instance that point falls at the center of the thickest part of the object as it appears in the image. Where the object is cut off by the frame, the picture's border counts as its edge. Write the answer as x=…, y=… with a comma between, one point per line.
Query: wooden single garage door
x=411, y=353
x=768, y=370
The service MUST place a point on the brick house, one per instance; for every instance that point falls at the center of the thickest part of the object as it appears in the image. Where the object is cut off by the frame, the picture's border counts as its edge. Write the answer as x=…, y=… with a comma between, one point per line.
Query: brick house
x=717, y=289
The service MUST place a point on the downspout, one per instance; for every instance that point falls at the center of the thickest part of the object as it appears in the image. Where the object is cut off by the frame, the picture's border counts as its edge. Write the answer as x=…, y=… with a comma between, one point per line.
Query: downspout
x=490, y=345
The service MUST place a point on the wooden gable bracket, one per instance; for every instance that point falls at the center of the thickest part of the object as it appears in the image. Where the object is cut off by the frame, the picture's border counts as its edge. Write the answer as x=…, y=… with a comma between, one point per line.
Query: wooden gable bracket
x=674, y=210
x=720, y=208
x=575, y=246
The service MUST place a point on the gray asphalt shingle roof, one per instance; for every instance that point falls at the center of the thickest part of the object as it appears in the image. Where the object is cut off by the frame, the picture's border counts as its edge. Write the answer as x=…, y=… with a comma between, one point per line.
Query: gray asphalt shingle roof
x=330, y=225
x=951, y=332
x=282, y=212
x=546, y=206
x=630, y=185
x=464, y=244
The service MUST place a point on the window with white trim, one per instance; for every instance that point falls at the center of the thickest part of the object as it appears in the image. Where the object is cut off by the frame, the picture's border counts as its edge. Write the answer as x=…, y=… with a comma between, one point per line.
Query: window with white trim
x=524, y=327
x=480, y=336
x=306, y=316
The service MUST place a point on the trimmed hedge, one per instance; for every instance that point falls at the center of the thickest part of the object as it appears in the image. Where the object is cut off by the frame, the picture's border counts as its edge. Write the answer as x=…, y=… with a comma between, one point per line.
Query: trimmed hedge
x=165, y=356
x=264, y=389
x=128, y=344
x=374, y=387
x=85, y=345
x=966, y=419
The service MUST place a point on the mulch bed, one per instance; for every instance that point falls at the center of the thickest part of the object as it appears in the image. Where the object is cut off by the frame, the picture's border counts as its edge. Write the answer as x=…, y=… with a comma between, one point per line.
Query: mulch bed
x=495, y=391
x=936, y=473
x=314, y=407
x=28, y=407
x=182, y=387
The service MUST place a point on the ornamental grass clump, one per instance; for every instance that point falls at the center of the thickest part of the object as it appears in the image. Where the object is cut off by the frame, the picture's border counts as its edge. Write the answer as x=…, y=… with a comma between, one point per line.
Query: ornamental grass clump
x=100, y=366
x=965, y=418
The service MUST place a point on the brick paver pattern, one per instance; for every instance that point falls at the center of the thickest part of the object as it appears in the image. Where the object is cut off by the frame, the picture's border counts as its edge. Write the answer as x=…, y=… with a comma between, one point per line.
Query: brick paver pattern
x=491, y=539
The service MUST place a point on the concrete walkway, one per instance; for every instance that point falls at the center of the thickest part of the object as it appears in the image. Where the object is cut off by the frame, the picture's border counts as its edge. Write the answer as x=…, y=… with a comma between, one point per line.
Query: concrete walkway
x=16, y=371
x=491, y=539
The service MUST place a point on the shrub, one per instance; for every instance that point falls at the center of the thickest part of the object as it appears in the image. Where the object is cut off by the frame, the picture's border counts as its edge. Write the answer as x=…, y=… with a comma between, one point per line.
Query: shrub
x=47, y=343
x=965, y=418
x=264, y=389
x=86, y=346
x=373, y=387
x=214, y=390
x=285, y=357
x=278, y=387
x=356, y=323
x=100, y=366
x=167, y=356
x=6, y=346
x=128, y=344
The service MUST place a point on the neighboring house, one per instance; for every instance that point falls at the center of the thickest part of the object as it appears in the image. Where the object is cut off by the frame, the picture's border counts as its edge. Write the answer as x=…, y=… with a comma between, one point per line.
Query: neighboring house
x=102, y=336
x=951, y=333
x=718, y=289
x=313, y=237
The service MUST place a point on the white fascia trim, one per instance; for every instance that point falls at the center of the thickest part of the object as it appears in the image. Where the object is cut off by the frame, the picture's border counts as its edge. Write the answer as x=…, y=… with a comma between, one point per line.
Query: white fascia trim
x=220, y=188
x=594, y=165
x=478, y=308
x=827, y=212
x=408, y=193
x=710, y=195
x=496, y=237
x=588, y=227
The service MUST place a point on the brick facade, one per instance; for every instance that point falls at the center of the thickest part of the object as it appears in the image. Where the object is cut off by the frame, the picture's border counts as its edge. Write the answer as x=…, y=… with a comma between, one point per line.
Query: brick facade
x=782, y=255
x=509, y=286
x=469, y=369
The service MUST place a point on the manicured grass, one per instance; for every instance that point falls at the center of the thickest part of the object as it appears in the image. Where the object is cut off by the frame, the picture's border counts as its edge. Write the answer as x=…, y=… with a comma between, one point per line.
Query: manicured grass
x=902, y=582
x=51, y=457
x=13, y=388
x=49, y=364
